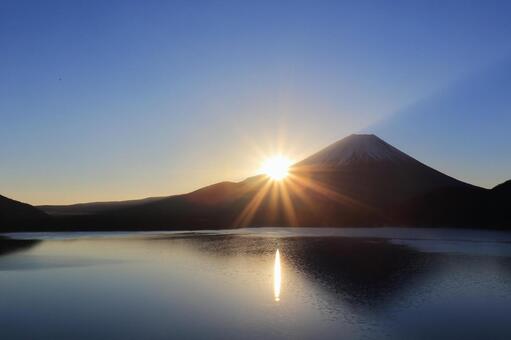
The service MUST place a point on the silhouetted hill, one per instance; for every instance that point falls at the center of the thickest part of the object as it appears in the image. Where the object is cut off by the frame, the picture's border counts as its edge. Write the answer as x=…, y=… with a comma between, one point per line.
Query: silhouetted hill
x=93, y=207
x=500, y=199
x=502, y=189
x=228, y=205
x=16, y=215
x=460, y=207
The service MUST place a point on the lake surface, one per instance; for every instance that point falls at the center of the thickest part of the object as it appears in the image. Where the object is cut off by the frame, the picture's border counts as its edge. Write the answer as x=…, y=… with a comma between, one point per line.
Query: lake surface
x=257, y=284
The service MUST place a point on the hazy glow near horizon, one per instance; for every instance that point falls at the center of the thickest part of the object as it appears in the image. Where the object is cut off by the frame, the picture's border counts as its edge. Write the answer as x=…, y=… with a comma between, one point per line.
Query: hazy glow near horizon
x=277, y=167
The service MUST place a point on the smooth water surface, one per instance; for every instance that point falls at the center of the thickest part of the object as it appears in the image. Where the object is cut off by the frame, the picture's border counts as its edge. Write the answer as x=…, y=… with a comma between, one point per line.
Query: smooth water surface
x=257, y=283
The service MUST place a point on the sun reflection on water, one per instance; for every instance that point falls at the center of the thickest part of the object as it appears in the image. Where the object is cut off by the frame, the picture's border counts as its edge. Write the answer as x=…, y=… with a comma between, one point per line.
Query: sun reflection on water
x=277, y=278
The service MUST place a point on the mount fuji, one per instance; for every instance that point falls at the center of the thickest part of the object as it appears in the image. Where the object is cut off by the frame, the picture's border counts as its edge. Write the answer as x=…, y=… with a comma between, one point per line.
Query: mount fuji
x=368, y=169
x=356, y=148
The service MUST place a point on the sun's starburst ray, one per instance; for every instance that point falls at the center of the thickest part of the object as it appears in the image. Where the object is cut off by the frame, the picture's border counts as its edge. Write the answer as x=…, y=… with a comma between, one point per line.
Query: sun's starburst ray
x=300, y=196
x=299, y=192
x=284, y=187
x=274, y=203
x=289, y=209
x=323, y=190
x=248, y=212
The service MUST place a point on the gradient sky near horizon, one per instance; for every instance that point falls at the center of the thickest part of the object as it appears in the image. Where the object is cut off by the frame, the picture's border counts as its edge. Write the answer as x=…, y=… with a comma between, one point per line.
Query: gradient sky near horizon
x=112, y=100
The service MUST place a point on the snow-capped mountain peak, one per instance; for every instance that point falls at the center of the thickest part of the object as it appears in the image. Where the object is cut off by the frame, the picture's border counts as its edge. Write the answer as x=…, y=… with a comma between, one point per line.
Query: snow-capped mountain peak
x=356, y=148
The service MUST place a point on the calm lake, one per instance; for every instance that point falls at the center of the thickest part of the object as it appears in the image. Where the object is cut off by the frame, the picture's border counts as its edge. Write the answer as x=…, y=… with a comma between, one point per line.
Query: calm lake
x=257, y=284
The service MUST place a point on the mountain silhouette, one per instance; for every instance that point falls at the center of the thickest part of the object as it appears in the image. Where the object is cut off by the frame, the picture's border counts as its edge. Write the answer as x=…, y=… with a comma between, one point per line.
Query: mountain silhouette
x=18, y=215
x=358, y=181
x=92, y=207
x=368, y=169
x=460, y=207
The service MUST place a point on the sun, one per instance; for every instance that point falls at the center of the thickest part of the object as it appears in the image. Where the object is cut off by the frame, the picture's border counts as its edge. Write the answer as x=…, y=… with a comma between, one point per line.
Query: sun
x=277, y=167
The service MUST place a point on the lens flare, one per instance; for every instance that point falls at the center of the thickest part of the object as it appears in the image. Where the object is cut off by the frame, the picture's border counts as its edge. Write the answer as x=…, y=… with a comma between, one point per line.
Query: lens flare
x=277, y=168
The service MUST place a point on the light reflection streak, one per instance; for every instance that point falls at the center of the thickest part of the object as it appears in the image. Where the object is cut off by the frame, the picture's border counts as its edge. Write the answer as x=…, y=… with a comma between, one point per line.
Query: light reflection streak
x=277, y=278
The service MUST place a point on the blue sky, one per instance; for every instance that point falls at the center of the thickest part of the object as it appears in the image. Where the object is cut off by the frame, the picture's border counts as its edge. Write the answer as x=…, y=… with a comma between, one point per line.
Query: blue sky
x=106, y=100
